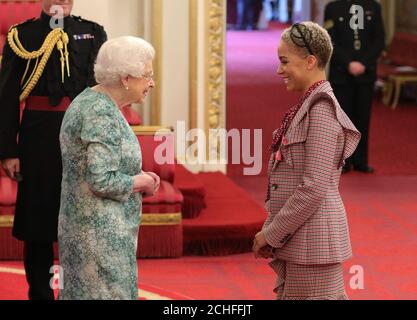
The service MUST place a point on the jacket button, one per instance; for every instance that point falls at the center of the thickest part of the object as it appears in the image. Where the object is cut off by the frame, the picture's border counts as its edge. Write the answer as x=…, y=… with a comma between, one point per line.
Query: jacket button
x=274, y=187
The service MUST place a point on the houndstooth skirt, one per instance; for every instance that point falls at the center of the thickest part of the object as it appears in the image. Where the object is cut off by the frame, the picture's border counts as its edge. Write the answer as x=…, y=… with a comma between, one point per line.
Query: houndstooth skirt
x=309, y=282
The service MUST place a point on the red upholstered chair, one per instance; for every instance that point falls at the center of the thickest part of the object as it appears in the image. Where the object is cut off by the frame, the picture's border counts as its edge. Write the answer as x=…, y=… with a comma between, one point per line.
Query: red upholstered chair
x=132, y=117
x=14, y=12
x=10, y=248
x=161, y=233
x=8, y=192
x=193, y=191
x=398, y=67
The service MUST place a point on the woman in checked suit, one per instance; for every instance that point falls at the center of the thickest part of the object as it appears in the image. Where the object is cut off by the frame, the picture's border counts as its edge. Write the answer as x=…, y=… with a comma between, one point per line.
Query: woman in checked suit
x=306, y=233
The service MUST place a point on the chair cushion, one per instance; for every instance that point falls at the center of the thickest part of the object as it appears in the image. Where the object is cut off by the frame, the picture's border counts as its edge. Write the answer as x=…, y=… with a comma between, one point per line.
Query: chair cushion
x=403, y=49
x=188, y=181
x=387, y=70
x=168, y=199
x=192, y=189
x=149, y=144
x=7, y=211
x=8, y=191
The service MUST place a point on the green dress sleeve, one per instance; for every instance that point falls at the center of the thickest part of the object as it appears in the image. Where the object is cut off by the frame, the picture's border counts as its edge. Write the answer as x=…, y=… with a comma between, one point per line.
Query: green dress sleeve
x=101, y=133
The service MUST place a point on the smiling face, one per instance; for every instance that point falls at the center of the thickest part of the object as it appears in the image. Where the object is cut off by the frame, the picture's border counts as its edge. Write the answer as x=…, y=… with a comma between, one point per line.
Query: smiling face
x=294, y=68
x=65, y=4
x=140, y=87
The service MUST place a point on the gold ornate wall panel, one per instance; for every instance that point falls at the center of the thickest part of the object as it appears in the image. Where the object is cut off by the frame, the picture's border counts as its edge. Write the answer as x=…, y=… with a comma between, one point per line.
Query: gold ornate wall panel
x=193, y=87
x=215, y=22
x=157, y=23
x=207, y=27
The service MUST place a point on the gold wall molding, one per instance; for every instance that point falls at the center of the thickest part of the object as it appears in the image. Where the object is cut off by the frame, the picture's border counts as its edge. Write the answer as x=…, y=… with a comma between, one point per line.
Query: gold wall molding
x=215, y=76
x=158, y=219
x=148, y=219
x=157, y=41
x=193, y=86
x=6, y=221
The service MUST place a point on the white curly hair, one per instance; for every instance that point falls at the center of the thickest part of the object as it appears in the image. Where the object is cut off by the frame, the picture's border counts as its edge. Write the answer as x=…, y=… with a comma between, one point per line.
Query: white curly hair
x=121, y=57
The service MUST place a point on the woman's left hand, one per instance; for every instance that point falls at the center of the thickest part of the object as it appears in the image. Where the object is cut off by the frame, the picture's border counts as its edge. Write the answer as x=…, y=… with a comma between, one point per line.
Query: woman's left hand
x=156, y=178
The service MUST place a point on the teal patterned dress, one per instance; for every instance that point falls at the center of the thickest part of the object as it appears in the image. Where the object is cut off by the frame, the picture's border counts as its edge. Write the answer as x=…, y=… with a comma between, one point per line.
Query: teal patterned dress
x=99, y=215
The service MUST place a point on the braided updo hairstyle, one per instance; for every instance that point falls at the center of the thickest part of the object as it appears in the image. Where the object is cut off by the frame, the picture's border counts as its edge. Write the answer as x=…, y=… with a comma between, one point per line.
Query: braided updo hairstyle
x=309, y=38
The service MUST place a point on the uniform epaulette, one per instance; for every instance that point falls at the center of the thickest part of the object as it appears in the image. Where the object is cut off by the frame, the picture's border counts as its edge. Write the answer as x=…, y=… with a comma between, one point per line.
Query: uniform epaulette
x=81, y=19
x=21, y=24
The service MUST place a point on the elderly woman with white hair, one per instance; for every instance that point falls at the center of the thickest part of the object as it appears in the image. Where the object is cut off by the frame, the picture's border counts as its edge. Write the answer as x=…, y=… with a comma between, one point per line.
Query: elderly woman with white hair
x=103, y=184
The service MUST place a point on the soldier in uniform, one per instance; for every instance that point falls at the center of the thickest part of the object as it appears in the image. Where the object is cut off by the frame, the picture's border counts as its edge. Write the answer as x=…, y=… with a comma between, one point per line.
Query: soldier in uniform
x=45, y=68
x=357, y=31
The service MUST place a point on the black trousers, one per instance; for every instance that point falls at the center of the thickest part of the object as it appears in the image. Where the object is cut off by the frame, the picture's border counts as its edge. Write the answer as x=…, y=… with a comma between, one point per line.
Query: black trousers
x=246, y=14
x=38, y=260
x=356, y=100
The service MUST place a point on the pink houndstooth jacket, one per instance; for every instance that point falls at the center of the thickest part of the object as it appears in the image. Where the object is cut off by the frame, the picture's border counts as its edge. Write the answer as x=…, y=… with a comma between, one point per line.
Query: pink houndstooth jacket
x=307, y=221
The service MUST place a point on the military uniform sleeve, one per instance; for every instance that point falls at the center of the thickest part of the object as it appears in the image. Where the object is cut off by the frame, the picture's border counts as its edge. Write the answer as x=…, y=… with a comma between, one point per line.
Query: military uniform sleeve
x=103, y=35
x=9, y=103
x=100, y=37
x=378, y=36
x=339, y=55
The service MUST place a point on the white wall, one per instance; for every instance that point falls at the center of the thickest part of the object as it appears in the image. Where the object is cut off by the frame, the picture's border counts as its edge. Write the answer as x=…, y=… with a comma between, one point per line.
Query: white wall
x=119, y=17
x=128, y=17
x=175, y=64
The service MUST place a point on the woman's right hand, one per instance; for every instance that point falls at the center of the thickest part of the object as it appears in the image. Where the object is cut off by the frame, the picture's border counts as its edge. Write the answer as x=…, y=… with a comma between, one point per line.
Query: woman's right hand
x=266, y=252
x=11, y=167
x=144, y=184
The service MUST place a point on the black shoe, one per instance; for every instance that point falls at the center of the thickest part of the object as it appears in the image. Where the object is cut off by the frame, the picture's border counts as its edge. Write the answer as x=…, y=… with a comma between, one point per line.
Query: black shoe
x=363, y=168
x=345, y=169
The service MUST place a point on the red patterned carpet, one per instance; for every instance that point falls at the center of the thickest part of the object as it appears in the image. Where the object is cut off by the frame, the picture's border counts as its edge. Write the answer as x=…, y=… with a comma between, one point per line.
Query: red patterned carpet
x=383, y=222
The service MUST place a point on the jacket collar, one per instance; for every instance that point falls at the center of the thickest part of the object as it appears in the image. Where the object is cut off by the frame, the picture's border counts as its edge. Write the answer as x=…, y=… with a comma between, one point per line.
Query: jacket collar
x=324, y=91
x=69, y=20
x=298, y=129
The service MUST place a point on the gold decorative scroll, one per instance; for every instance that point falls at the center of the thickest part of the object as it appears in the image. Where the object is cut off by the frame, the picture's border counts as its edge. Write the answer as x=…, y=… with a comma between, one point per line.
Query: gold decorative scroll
x=151, y=130
x=6, y=221
x=161, y=219
x=148, y=219
x=157, y=37
x=215, y=82
x=193, y=85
